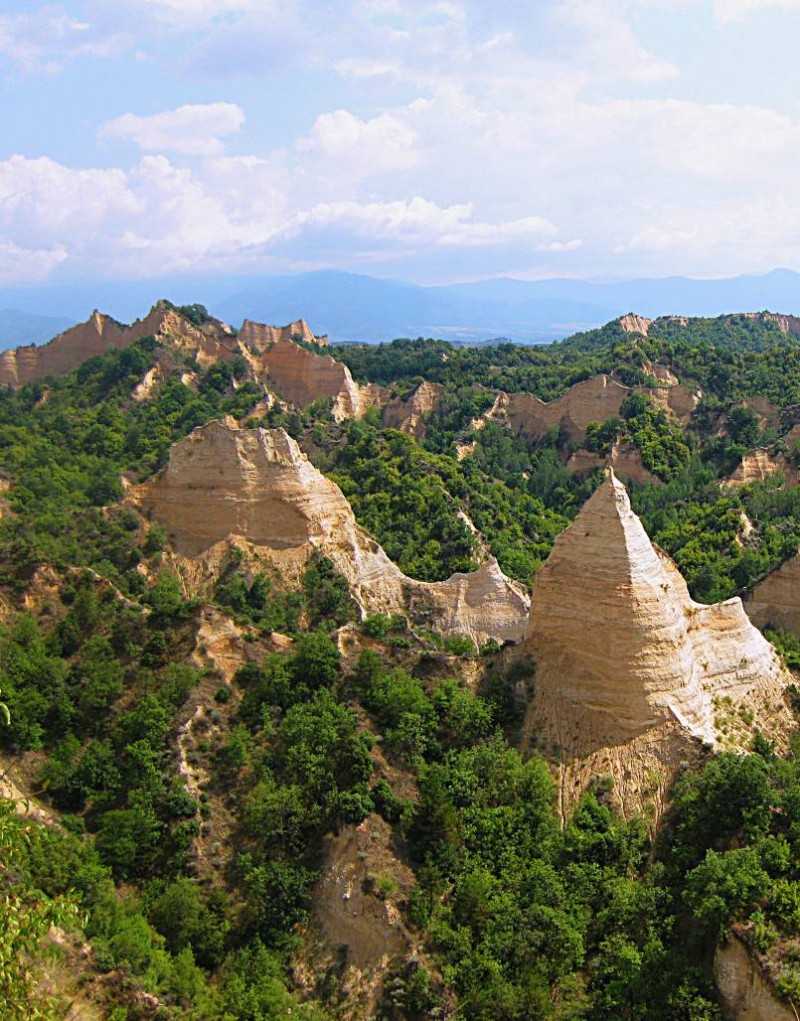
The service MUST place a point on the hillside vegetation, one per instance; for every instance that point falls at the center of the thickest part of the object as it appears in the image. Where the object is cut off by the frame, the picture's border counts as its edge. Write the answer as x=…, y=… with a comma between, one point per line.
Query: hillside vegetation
x=179, y=861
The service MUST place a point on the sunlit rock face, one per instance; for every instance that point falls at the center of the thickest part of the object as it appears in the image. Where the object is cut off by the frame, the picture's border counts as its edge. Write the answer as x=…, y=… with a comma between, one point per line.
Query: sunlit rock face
x=621, y=647
x=101, y=334
x=222, y=481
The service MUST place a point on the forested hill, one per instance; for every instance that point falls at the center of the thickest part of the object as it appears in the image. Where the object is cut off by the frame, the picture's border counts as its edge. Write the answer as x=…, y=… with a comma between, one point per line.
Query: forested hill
x=255, y=799
x=732, y=357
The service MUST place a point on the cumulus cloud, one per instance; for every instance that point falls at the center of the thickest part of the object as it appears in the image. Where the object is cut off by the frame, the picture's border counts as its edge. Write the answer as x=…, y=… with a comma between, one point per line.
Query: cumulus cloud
x=418, y=220
x=478, y=137
x=194, y=129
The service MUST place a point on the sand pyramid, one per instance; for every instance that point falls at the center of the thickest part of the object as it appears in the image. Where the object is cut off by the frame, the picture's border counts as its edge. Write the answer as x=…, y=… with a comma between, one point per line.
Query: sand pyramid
x=622, y=648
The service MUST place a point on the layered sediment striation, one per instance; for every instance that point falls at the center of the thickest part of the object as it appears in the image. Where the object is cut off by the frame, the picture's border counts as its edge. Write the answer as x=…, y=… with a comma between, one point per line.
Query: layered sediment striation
x=622, y=649
x=222, y=482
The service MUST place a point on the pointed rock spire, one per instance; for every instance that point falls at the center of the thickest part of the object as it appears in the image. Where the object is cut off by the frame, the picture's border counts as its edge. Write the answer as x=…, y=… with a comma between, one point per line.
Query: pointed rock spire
x=620, y=645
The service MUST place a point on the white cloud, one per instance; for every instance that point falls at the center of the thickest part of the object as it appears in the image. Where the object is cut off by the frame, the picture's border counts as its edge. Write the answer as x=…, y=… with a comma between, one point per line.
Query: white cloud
x=191, y=13
x=44, y=40
x=193, y=129
x=28, y=265
x=736, y=10
x=418, y=220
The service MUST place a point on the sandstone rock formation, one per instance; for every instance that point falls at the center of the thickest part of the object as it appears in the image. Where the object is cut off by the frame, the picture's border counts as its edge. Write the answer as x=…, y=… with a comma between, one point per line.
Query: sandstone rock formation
x=222, y=481
x=302, y=377
x=769, y=414
x=759, y=465
x=592, y=400
x=100, y=334
x=632, y=323
x=624, y=654
x=624, y=458
x=409, y=415
x=745, y=992
x=259, y=337
x=785, y=323
x=776, y=598
x=679, y=400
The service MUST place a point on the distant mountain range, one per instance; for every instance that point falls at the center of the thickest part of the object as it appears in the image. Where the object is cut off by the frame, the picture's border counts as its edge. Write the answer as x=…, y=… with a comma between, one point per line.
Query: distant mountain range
x=18, y=327
x=354, y=307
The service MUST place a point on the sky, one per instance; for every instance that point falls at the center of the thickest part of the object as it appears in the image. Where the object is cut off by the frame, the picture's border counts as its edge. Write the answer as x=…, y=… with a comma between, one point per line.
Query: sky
x=427, y=141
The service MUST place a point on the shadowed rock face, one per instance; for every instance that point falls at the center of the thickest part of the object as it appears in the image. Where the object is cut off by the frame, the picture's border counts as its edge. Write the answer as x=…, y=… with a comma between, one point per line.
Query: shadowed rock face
x=744, y=990
x=759, y=465
x=621, y=647
x=409, y=415
x=775, y=599
x=222, y=481
x=624, y=458
x=302, y=377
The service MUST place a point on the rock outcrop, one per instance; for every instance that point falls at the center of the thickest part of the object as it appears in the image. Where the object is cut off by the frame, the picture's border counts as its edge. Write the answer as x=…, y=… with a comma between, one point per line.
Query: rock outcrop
x=745, y=993
x=759, y=465
x=256, y=484
x=776, y=598
x=302, y=377
x=632, y=323
x=623, y=653
x=769, y=414
x=101, y=334
x=785, y=323
x=592, y=400
x=259, y=337
x=624, y=458
x=409, y=415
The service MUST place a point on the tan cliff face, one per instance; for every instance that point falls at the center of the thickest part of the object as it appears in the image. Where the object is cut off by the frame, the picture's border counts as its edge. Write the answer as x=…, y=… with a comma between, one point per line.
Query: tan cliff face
x=592, y=400
x=759, y=465
x=745, y=991
x=633, y=323
x=302, y=377
x=259, y=337
x=100, y=334
x=624, y=458
x=622, y=650
x=222, y=481
x=409, y=415
x=775, y=599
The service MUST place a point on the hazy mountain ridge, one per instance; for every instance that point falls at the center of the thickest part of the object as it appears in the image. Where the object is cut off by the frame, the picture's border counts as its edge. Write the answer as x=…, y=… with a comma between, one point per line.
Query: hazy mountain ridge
x=355, y=307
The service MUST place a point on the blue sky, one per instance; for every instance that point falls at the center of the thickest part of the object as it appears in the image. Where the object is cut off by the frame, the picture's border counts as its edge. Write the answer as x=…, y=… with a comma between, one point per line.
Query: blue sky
x=431, y=141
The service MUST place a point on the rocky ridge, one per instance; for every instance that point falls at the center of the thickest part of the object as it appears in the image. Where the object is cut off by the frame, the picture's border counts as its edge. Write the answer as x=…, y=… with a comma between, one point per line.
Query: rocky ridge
x=592, y=400
x=256, y=485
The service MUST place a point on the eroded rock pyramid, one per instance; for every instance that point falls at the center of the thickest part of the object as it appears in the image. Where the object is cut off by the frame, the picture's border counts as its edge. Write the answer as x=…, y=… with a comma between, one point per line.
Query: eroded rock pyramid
x=256, y=484
x=622, y=649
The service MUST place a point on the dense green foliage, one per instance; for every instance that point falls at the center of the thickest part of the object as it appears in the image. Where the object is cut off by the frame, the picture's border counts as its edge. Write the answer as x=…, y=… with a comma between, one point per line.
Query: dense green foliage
x=518, y=913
